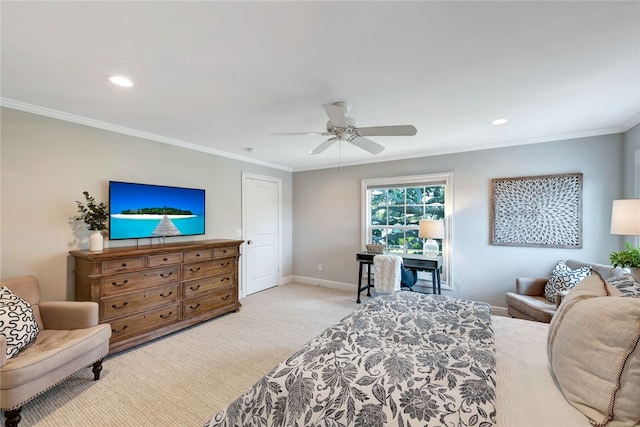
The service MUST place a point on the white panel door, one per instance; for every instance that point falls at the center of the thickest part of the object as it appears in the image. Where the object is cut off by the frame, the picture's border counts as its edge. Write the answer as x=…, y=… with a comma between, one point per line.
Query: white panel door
x=262, y=216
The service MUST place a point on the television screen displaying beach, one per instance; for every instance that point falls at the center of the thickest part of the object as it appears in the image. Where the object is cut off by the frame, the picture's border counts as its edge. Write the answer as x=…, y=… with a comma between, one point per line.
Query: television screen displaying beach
x=143, y=211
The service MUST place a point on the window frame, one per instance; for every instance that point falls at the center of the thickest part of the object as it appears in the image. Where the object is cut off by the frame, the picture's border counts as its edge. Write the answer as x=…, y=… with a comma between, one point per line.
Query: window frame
x=445, y=178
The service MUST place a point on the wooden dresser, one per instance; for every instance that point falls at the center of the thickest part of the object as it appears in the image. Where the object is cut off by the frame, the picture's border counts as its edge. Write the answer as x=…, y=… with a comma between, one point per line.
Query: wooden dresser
x=146, y=292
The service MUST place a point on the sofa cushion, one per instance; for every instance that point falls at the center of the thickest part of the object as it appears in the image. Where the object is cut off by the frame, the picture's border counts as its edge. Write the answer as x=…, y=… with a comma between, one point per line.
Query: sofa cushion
x=594, y=353
x=625, y=285
x=51, y=350
x=17, y=322
x=563, y=278
x=530, y=307
x=605, y=271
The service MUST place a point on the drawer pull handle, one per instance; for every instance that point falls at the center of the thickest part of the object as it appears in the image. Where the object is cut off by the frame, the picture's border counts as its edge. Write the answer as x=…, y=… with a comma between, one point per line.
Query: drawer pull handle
x=165, y=259
x=224, y=278
x=167, y=295
x=197, y=255
x=121, y=330
x=194, y=289
x=194, y=270
x=124, y=282
x=193, y=307
x=226, y=297
x=224, y=251
x=162, y=316
x=164, y=275
x=124, y=264
x=124, y=304
x=224, y=264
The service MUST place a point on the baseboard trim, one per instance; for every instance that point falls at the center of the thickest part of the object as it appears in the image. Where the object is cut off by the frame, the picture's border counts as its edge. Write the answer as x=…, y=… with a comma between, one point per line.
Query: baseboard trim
x=285, y=280
x=323, y=283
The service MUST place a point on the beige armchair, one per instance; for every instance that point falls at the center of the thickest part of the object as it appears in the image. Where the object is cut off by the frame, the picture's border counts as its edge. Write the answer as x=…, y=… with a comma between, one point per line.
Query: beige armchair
x=70, y=339
x=528, y=301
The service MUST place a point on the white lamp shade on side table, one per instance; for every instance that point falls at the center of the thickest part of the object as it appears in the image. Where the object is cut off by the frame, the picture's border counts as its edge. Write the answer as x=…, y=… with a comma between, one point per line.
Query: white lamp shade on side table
x=625, y=217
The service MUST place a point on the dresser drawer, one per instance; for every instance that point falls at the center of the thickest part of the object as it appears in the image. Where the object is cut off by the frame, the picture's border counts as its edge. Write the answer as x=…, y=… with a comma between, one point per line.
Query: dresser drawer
x=135, y=302
x=225, y=252
x=197, y=255
x=196, y=287
x=137, y=324
x=206, y=303
x=209, y=268
x=166, y=259
x=122, y=283
x=122, y=265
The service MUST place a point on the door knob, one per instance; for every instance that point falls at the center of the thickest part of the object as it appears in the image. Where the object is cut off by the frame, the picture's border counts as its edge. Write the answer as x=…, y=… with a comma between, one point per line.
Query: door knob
x=249, y=242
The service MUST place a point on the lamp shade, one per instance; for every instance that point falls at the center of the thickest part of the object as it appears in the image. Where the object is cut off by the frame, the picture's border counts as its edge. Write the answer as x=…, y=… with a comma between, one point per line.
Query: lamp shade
x=625, y=217
x=431, y=229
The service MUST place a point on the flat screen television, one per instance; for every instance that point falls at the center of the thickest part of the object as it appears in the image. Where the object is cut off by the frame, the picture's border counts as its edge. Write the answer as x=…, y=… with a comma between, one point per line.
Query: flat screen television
x=138, y=211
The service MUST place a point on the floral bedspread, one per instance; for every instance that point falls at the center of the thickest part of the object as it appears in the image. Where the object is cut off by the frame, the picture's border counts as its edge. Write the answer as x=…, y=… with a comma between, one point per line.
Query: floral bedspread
x=404, y=359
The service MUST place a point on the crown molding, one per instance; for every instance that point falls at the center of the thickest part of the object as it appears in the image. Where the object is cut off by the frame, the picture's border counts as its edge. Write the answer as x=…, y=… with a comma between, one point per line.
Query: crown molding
x=55, y=114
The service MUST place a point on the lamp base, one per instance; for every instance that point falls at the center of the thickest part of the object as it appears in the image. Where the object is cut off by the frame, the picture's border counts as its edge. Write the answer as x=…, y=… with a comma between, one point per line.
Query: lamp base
x=430, y=248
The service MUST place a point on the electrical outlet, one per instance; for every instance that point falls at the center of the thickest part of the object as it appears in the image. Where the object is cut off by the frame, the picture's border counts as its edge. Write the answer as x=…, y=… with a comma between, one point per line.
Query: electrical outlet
x=319, y=267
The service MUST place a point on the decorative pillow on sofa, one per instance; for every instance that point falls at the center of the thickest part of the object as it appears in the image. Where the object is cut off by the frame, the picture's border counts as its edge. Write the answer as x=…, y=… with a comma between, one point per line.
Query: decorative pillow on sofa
x=562, y=278
x=594, y=353
x=17, y=322
x=625, y=285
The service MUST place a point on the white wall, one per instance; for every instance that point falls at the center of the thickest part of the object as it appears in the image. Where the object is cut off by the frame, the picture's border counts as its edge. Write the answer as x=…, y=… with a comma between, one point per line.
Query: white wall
x=46, y=164
x=327, y=218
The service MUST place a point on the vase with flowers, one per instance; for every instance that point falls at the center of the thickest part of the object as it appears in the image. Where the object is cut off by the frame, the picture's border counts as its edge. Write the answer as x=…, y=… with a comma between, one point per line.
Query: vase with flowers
x=95, y=215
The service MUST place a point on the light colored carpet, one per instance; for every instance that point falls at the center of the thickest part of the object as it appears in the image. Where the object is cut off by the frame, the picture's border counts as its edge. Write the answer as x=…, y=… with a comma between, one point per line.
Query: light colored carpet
x=186, y=378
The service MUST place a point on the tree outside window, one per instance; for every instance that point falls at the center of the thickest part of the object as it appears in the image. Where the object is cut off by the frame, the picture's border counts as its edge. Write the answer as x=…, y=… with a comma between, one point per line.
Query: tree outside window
x=396, y=213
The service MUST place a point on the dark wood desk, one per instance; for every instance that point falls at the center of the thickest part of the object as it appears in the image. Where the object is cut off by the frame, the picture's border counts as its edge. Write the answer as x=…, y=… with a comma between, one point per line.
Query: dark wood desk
x=412, y=262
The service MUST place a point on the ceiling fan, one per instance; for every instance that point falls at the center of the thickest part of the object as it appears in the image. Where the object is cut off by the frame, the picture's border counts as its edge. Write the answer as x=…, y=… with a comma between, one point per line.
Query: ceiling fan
x=343, y=128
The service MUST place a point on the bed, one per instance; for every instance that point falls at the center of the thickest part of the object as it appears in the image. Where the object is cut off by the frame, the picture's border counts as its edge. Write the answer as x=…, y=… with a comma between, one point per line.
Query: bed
x=409, y=359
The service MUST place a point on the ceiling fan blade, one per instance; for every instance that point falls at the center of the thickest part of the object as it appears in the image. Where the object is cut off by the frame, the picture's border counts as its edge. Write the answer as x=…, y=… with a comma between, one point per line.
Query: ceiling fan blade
x=367, y=145
x=320, y=148
x=336, y=114
x=401, y=130
x=302, y=133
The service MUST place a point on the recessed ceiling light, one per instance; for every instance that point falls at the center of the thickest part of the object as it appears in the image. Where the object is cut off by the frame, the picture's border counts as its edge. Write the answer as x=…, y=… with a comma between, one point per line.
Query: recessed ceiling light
x=120, y=80
x=498, y=121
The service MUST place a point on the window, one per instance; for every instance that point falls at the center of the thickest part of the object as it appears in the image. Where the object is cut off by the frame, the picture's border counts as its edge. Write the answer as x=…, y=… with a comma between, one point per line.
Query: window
x=393, y=208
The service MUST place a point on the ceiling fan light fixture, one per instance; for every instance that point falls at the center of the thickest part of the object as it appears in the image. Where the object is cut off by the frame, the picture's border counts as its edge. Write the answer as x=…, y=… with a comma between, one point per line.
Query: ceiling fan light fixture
x=498, y=122
x=344, y=129
x=120, y=80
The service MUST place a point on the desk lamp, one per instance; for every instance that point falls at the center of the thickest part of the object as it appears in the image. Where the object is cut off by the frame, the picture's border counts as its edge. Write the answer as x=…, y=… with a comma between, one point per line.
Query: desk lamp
x=431, y=229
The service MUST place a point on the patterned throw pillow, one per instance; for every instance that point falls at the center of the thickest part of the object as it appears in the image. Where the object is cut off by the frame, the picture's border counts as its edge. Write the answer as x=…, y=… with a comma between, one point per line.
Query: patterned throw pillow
x=625, y=283
x=562, y=278
x=17, y=322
